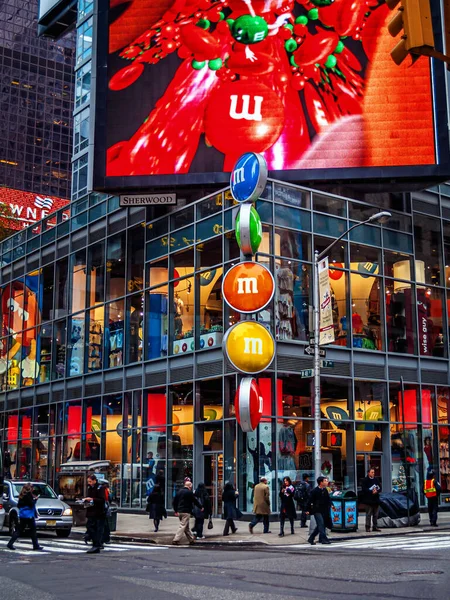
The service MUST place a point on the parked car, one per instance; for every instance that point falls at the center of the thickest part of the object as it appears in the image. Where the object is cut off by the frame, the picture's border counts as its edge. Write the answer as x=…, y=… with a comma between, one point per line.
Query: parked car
x=2, y=516
x=52, y=513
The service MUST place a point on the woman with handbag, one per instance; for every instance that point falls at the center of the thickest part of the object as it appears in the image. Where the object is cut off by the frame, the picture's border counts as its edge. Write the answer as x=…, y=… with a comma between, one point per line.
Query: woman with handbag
x=287, y=508
x=203, y=497
x=155, y=506
x=230, y=510
x=27, y=515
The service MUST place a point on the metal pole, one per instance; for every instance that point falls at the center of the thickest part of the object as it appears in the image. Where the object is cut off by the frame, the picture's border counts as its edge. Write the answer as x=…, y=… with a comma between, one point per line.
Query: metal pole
x=402, y=387
x=317, y=424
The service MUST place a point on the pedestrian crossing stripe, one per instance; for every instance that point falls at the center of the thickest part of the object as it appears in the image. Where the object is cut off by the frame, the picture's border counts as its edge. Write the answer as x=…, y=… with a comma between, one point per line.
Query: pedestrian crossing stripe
x=71, y=546
x=408, y=542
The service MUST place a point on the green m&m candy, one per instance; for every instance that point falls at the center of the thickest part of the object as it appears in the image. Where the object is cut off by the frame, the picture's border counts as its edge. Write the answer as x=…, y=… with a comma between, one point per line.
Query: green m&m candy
x=248, y=229
x=249, y=30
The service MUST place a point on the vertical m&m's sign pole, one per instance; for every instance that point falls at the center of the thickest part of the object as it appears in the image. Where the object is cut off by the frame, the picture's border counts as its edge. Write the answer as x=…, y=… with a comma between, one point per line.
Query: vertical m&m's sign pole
x=248, y=288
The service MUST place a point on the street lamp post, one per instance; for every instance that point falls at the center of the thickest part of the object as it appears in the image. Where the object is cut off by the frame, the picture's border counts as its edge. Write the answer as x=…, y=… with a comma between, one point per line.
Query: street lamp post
x=380, y=217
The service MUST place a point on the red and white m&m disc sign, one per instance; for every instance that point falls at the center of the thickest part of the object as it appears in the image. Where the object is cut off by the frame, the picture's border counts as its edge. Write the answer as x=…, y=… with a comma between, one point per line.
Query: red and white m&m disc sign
x=248, y=403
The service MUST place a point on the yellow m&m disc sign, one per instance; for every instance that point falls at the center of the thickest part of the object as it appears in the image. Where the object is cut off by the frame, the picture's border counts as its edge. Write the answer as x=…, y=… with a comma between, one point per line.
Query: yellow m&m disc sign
x=249, y=347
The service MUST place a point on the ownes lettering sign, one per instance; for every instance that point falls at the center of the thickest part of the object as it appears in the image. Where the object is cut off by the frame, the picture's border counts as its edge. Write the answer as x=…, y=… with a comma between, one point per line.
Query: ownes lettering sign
x=28, y=208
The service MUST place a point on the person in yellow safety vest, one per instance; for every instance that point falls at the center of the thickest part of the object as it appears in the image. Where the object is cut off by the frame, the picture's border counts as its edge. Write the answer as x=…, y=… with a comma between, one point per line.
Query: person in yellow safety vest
x=432, y=490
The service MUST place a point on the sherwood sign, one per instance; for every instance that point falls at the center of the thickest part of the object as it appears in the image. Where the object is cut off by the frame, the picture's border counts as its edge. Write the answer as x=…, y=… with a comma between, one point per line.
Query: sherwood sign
x=148, y=200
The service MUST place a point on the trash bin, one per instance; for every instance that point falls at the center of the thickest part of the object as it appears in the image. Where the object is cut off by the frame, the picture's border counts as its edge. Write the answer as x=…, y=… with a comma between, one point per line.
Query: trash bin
x=112, y=519
x=344, y=512
x=79, y=514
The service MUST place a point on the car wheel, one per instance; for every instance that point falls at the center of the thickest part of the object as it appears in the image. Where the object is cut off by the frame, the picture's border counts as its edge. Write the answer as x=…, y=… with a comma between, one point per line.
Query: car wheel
x=13, y=523
x=63, y=533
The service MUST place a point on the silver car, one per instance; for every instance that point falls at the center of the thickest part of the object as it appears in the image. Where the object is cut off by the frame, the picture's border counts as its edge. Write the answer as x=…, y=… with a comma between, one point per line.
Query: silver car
x=53, y=513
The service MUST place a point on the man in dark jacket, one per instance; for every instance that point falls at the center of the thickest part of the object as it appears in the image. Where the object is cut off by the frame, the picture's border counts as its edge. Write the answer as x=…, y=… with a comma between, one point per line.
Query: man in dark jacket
x=302, y=495
x=371, y=488
x=183, y=505
x=96, y=513
x=320, y=507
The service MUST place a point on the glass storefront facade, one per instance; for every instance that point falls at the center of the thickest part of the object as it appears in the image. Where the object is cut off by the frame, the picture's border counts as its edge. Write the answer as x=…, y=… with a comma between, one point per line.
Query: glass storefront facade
x=111, y=345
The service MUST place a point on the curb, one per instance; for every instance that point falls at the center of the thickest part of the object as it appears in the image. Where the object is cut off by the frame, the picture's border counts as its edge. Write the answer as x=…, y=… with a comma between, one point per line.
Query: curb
x=256, y=544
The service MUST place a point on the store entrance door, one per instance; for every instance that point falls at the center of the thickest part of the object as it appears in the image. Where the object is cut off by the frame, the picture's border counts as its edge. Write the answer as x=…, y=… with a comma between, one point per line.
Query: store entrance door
x=366, y=461
x=213, y=478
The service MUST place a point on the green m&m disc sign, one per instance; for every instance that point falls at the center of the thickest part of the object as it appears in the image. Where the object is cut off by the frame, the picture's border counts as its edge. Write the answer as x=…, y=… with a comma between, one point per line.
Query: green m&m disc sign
x=248, y=229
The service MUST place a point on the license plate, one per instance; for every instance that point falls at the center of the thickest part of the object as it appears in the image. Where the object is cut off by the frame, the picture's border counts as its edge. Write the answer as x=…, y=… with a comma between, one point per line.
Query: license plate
x=51, y=523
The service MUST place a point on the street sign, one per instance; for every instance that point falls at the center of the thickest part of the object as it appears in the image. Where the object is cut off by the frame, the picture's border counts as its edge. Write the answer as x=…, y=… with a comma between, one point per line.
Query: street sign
x=309, y=350
x=327, y=364
x=306, y=373
x=248, y=177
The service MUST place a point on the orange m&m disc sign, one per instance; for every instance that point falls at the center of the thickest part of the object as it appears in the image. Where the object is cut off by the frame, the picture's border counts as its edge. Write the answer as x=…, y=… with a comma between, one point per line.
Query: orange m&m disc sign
x=248, y=287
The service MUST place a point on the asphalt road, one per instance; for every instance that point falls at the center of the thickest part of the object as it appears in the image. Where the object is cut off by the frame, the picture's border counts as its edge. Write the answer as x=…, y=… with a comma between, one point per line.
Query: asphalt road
x=313, y=573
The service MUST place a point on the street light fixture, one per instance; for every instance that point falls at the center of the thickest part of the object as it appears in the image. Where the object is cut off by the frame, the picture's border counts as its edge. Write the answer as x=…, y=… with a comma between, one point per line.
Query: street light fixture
x=380, y=217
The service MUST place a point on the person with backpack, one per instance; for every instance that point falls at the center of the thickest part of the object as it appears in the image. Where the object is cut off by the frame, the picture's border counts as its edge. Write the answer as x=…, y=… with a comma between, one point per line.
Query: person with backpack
x=432, y=490
x=27, y=514
x=202, y=496
x=230, y=510
x=301, y=496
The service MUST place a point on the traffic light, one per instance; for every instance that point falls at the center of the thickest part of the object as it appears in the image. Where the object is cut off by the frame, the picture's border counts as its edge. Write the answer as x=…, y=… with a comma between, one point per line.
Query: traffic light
x=414, y=19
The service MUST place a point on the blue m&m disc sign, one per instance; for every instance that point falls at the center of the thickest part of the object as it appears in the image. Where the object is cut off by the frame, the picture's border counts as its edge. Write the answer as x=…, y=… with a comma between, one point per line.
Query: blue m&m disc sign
x=248, y=178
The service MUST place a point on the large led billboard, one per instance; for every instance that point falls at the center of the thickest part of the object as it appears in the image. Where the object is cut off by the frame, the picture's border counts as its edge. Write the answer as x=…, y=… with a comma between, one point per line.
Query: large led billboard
x=186, y=86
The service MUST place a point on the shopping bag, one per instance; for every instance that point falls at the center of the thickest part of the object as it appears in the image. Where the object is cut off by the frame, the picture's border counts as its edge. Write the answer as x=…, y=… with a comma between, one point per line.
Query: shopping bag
x=210, y=523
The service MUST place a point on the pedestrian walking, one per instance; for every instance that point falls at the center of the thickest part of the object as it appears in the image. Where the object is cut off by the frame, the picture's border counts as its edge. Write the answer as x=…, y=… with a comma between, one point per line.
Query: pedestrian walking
x=287, y=506
x=320, y=507
x=302, y=495
x=432, y=491
x=183, y=505
x=201, y=493
x=27, y=514
x=261, y=505
x=155, y=506
x=371, y=488
x=230, y=510
x=95, y=513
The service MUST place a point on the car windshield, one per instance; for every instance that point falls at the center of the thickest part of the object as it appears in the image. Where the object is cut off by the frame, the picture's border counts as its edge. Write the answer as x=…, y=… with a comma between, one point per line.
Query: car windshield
x=39, y=489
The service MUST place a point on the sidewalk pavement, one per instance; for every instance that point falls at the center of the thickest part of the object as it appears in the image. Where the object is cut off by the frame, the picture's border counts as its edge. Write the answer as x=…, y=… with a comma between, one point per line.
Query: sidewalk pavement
x=138, y=527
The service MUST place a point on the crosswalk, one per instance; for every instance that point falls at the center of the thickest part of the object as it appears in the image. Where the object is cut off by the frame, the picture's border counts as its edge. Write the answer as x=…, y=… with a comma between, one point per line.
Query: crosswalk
x=410, y=542
x=68, y=546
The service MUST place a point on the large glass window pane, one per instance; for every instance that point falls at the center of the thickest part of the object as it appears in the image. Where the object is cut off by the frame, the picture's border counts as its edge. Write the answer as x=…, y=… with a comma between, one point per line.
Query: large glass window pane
x=211, y=308
x=114, y=340
x=183, y=263
x=404, y=452
x=157, y=272
x=76, y=344
x=115, y=267
x=291, y=217
x=135, y=316
x=45, y=358
x=136, y=258
x=428, y=248
x=290, y=195
x=290, y=244
x=404, y=407
x=444, y=458
x=400, y=317
x=210, y=394
x=292, y=300
x=329, y=205
x=366, y=308
x=96, y=262
x=339, y=287
x=60, y=340
x=157, y=325
x=210, y=253
x=47, y=283
x=430, y=322
x=96, y=330
x=78, y=281
x=61, y=287
x=182, y=312
x=370, y=401
x=398, y=265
